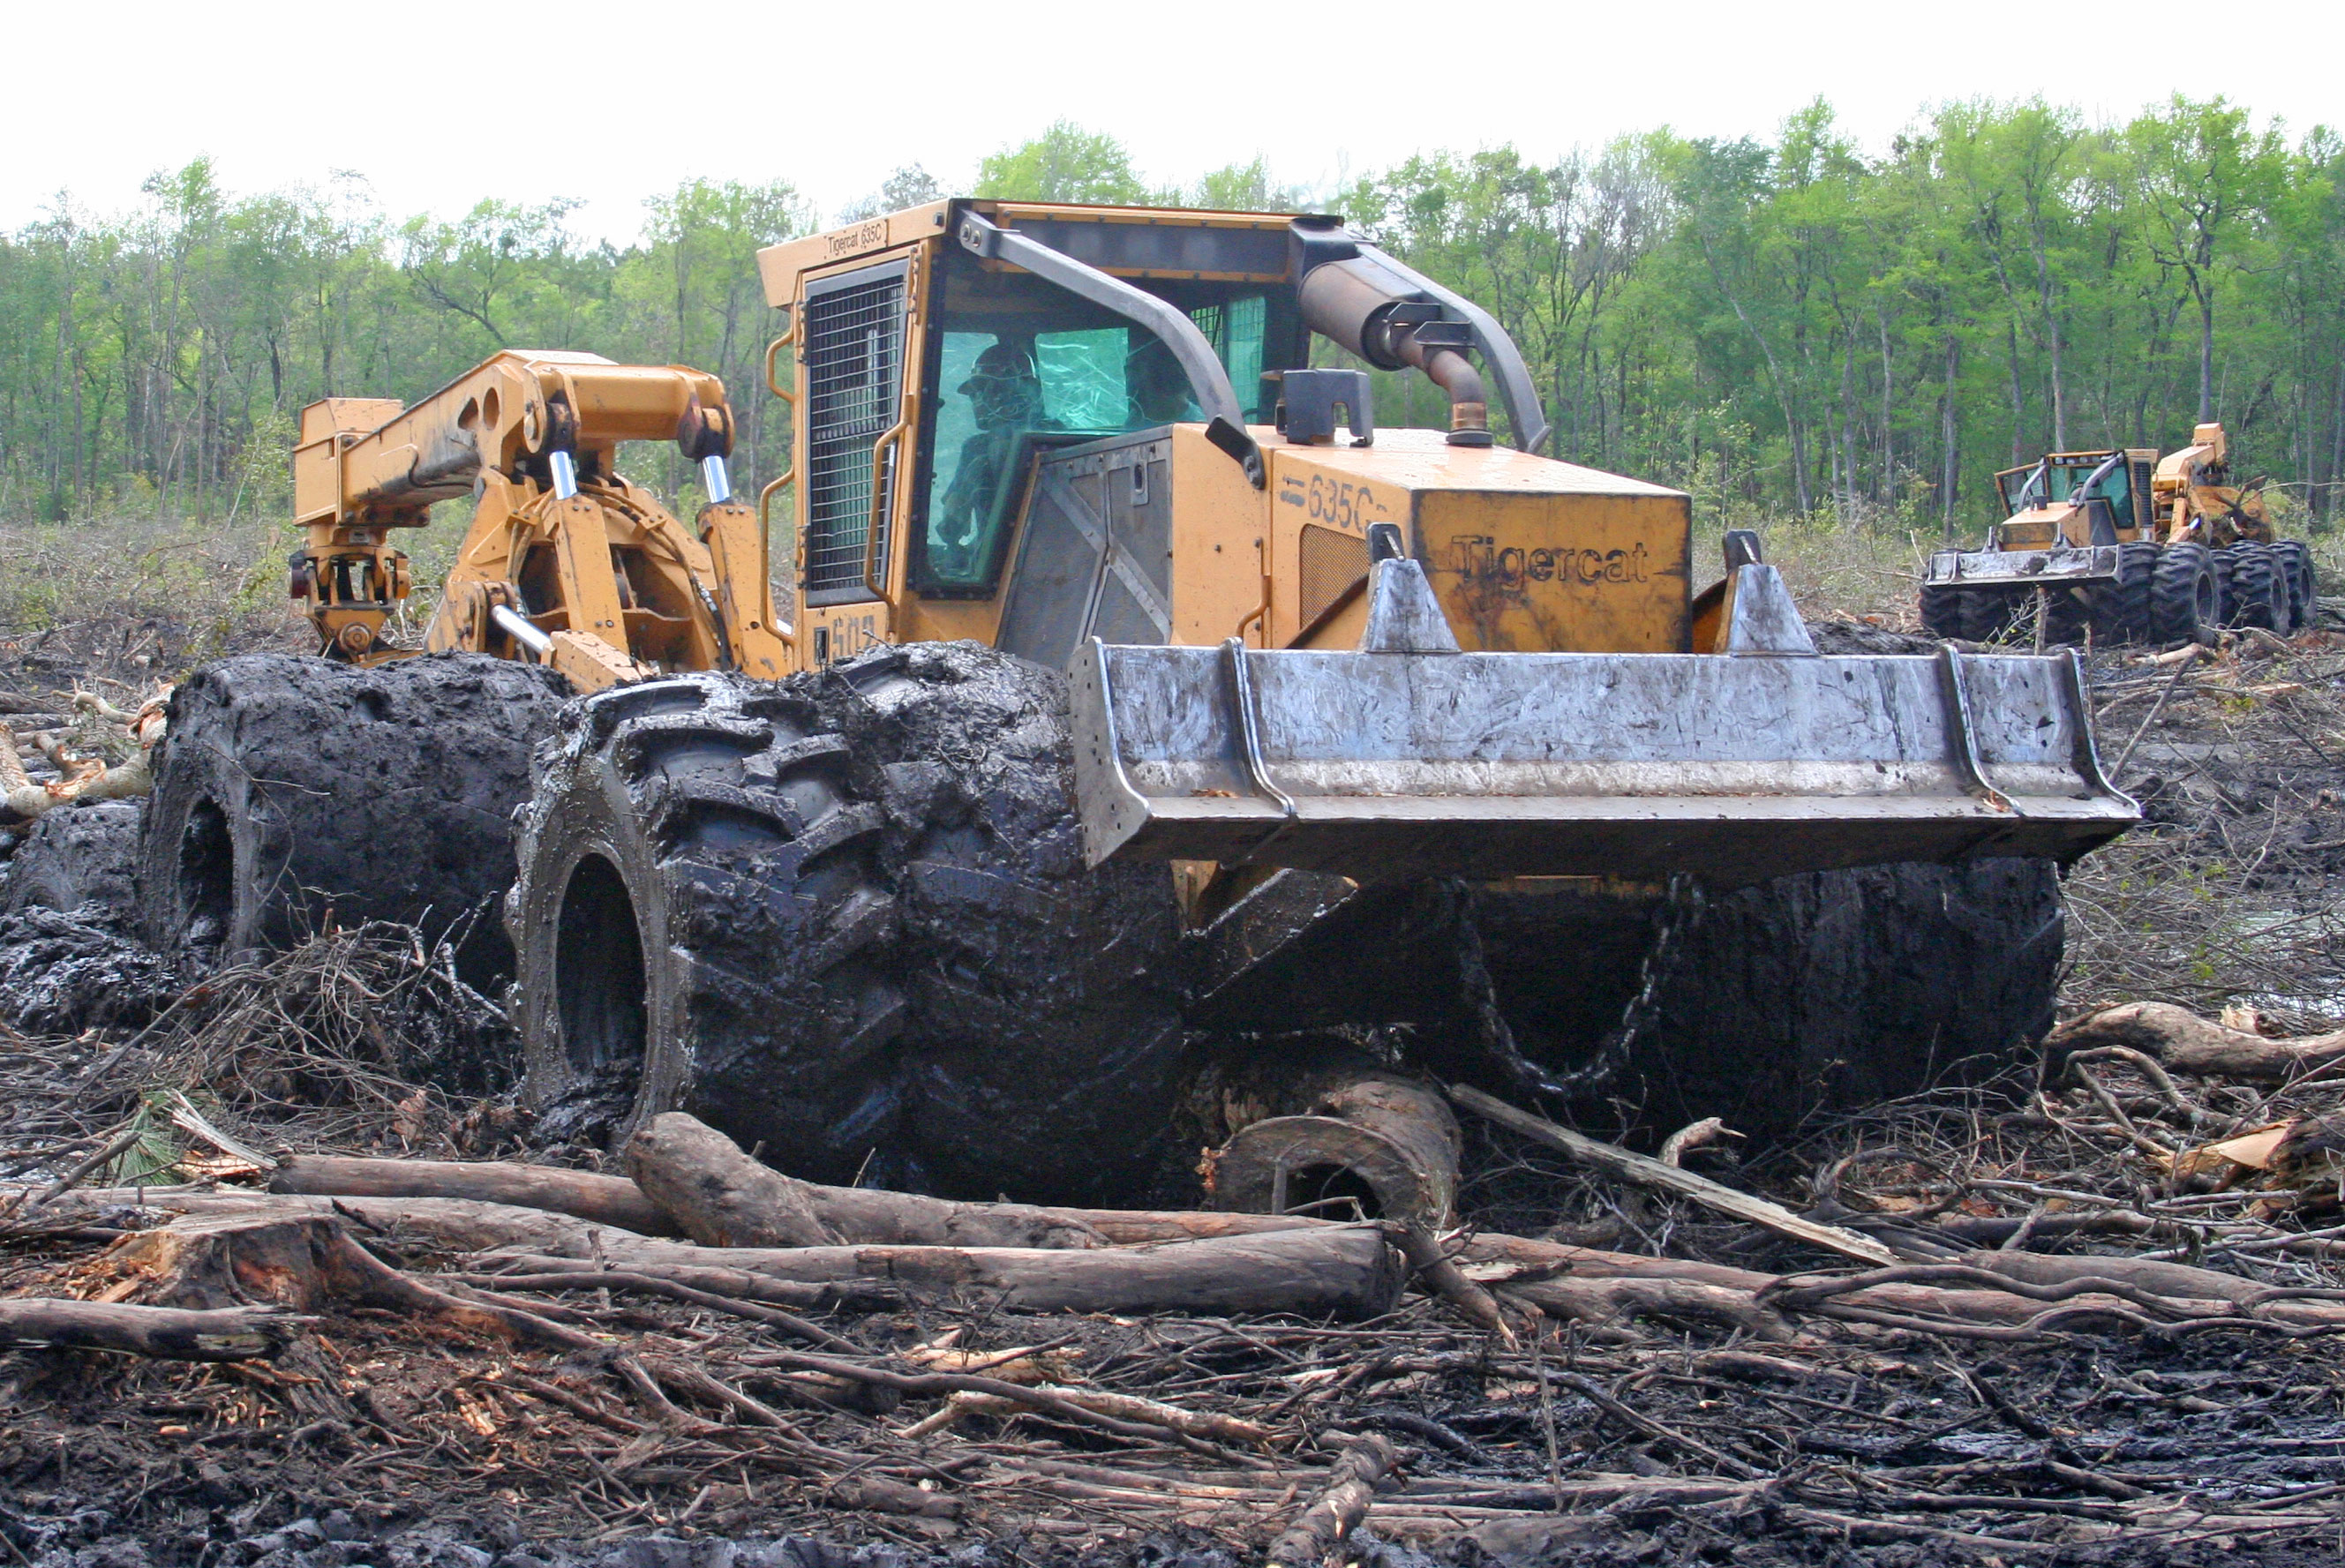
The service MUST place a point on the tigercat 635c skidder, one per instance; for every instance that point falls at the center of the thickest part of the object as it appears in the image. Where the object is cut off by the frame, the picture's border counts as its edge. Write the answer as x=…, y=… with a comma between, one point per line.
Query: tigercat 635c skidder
x=2133, y=547
x=1160, y=733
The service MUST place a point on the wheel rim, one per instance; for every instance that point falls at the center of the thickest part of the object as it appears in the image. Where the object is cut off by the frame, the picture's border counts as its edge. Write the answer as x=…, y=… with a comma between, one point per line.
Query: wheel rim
x=601, y=992
x=206, y=876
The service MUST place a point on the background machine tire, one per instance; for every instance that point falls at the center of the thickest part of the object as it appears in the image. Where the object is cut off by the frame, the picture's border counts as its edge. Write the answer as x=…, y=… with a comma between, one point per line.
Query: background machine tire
x=289, y=789
x=2121, y=610
x=1988, y=611
x=81, y=856
x=2185, y=595
x=2255, y=590
x=1942, y=610
x=2295, y=559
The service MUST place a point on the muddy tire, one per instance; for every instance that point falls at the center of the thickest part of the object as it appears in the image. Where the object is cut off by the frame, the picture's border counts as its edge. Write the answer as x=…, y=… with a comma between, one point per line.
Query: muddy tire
x=845, y=917
x=1823, y=990
x=1942, y=610
x=2121, y=608
x=1988, y=613
x=1845, y=988
x=1820, y=991
x=2255, y=593
x=2294, y=560
x=2186, y=597
x=81, y=858
x=291, y=791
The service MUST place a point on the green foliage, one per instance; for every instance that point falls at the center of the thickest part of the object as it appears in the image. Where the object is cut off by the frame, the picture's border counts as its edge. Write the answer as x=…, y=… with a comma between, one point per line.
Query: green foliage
x=1065, y=163
x=1788, y=325
x=1245, y=187
x=151, y=365
x=911, y=185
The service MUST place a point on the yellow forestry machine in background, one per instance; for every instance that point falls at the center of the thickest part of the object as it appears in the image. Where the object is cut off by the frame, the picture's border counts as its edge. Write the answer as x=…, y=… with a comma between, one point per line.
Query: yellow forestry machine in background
x=2134, y=546
x=1435, y=733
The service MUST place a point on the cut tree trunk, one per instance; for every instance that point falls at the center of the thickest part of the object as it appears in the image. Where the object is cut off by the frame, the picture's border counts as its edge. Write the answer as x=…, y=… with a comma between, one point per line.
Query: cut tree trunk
x=2183, y=1042
x=722, y=1197
x=1393, y=1137
x=604, y=1199
x=1340, y=1271
x=170, y=1333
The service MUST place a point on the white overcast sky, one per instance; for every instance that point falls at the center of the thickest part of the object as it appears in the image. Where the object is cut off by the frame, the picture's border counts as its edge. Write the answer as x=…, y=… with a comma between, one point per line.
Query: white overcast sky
x=440, y=105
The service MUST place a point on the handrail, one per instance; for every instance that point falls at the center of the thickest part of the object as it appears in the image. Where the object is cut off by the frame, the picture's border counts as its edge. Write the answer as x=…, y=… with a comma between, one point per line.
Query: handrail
x=880, y=496
x=907, y=406
x=789, y=475
x=1209, y=379
x=774, y=352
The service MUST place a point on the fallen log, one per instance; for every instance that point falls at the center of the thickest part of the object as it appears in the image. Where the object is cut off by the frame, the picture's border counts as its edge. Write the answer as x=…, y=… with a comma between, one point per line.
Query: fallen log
x=166, y=1333
x=1331, y=1516
x=1340, y=1271
x=1621, y=1163
x=1391, y=1136
x=2181, y=1041
x=301, y=1262
x=1297, y=1266
x=617, y=1200
x=721, y=1198
x=584, y=1194
x=458, y=1224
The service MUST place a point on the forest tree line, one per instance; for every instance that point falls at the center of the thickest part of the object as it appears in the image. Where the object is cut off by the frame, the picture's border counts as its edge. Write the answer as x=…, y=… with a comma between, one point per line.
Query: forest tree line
x=1783, y=325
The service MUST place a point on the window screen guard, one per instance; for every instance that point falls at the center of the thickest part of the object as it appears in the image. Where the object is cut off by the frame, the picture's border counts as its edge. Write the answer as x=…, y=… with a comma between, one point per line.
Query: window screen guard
x=853, y=336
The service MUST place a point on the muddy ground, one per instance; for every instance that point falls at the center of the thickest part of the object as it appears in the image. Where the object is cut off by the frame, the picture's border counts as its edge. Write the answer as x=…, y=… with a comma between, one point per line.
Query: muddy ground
x=380, y=1440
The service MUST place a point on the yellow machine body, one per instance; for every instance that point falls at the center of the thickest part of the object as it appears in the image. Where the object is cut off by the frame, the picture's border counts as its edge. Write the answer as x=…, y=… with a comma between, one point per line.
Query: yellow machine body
x=2106, y=498
x=565, y=562
x=1096, y=438
x=1527, y=553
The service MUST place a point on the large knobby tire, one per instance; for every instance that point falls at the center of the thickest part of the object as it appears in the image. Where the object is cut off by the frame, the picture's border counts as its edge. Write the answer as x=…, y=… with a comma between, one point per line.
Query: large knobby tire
x=1823, y=990
x=2256, y=589
x=1942, y=610
x=292, y=791
x=2186, y=598
x=1843, y=988
x=2294, y=558
x=81, y=858
x=1989, y=610
x=2121, y=609
x=845, y=917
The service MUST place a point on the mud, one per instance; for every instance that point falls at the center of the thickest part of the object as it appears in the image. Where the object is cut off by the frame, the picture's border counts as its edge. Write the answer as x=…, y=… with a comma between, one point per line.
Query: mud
x=291, y=793
x=81, y=855
x=64, y=974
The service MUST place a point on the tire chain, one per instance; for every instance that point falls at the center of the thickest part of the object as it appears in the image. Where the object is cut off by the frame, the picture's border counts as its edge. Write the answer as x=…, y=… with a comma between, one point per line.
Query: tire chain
x=1683, y=908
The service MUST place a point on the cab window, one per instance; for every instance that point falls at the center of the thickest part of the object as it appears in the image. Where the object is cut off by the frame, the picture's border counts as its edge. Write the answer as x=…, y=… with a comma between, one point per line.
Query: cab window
x=1023, y=368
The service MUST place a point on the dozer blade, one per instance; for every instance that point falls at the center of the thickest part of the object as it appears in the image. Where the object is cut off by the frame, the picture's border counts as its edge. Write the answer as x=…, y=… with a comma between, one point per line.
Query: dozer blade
x=1730, y=767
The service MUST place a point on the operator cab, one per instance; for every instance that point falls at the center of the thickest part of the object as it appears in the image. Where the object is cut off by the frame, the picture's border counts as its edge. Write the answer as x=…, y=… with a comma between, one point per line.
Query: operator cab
x=1022, y=367
x=2076, y=497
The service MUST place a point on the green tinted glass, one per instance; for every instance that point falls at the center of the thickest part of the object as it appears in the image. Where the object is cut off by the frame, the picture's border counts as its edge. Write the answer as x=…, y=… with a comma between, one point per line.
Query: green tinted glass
x=1012, y=382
